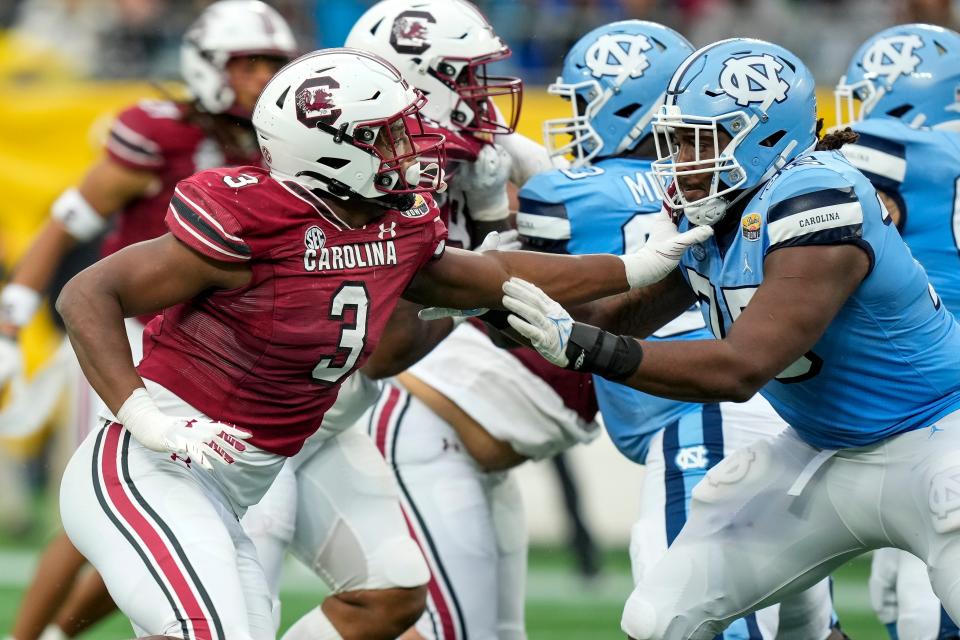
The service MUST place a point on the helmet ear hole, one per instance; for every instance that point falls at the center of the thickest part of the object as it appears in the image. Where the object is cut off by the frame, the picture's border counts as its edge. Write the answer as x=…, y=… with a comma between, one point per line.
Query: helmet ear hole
x=772, y=139
x=899, y=112
x=628, y=110
x=333, y=163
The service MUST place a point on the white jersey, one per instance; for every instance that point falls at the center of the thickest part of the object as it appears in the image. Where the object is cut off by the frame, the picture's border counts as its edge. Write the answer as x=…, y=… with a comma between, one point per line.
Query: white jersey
x=498, y=391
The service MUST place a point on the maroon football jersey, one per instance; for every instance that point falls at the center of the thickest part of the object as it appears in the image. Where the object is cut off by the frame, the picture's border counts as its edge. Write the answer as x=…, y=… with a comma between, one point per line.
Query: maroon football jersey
x=155, y=136
x=270, y=356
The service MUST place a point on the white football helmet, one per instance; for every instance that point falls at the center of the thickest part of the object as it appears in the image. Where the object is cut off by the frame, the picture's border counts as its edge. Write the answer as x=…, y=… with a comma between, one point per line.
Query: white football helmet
x=345, y=121
x=225, y=30
x=443, y=48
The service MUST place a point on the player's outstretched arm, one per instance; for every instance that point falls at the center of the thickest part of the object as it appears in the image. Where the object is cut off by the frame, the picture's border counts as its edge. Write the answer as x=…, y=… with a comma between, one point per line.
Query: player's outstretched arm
x=461, y=281
x=803, y=289
x=79, y=214
x=464, y=279
x=639, y=312
x=138, y=280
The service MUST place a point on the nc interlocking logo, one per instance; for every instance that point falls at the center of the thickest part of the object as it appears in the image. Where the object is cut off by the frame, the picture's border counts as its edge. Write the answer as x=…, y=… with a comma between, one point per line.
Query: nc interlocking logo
x=753, y=79
x=616, y=54
x=692, y=458
x=944, y=496
x=893, y=57
x=733, y=469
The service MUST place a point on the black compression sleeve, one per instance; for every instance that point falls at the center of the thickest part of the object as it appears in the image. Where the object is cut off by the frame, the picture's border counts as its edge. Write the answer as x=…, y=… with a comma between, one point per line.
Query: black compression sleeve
x=596, y=351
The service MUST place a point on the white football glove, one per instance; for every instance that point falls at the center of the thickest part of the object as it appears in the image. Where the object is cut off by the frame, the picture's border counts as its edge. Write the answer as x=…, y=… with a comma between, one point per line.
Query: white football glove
x=662, y=252
x=484, y=184
x=501, y=241
x=199, y=439
x=539, y=319
x=11, y=360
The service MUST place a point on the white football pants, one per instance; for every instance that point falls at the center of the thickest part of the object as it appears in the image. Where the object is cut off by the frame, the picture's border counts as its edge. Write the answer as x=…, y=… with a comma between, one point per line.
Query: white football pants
x=680, y=456
x=469, y=523
x=778, y=516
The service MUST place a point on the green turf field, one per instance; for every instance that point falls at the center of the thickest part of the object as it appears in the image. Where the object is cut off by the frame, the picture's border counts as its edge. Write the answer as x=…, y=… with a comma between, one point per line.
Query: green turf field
x=559, y=605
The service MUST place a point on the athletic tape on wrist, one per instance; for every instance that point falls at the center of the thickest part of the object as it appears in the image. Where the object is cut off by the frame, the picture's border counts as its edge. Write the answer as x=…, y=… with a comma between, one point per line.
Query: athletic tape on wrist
x=593, y=350
x=139, y=414
x=79, y=218
x=18, y=303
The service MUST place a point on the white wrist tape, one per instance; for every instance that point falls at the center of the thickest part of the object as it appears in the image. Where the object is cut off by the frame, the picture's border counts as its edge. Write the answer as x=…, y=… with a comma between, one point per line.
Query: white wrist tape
x=144, y=420
x=18, y=303
x=77, y=215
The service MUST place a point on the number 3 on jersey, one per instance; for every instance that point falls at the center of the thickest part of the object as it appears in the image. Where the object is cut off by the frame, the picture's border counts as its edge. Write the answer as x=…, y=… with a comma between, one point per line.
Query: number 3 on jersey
x=736, y=300
x=353, y=334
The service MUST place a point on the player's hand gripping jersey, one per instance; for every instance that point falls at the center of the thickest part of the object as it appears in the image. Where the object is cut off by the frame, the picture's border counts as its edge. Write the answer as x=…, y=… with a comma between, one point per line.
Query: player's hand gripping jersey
x=161, y=137
x=887, y=363
x=270, y=356
x=918, y=168
x=608, y=208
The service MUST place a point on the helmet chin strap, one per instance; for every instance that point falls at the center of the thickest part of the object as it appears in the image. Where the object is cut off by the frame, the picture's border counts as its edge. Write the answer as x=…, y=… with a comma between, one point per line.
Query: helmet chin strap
x=706, y=213
x=712, y=211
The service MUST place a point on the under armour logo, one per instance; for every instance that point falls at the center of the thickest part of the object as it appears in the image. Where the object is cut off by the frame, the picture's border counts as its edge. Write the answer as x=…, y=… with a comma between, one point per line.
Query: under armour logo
x=174, y=457
x=384, y=230
x=692, y=458
x=753, y=79
x=618, y=54
x=893, y=57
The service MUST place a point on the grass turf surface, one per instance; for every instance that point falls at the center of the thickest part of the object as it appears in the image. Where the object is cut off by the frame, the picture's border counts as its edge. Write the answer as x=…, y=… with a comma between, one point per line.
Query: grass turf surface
x=559, y=605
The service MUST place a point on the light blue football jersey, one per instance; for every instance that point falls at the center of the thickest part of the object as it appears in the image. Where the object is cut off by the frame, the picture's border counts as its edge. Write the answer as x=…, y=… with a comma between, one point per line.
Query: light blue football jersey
x=920, y=170
x=607, y=208
x=889, y=362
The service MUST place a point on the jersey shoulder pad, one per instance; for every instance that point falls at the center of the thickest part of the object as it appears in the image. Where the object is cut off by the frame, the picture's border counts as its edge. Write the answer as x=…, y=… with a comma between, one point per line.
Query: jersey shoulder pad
x=542, y=217
x=880, y=151
x=144, y=135
x=814, y=201
x=212, y=211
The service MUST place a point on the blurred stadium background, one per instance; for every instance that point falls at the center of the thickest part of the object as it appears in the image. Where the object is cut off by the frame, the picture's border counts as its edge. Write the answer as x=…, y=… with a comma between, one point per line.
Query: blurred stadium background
x=66, y=66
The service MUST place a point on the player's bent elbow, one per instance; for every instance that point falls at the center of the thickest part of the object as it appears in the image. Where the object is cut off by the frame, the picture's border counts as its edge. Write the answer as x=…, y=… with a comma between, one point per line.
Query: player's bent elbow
x=740, y=393
x=378, y=369
x=745, y=385
x=68, y=301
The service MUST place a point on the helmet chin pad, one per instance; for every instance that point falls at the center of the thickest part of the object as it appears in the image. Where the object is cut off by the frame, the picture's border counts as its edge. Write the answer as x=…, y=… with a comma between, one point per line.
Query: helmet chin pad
x=707, y=212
